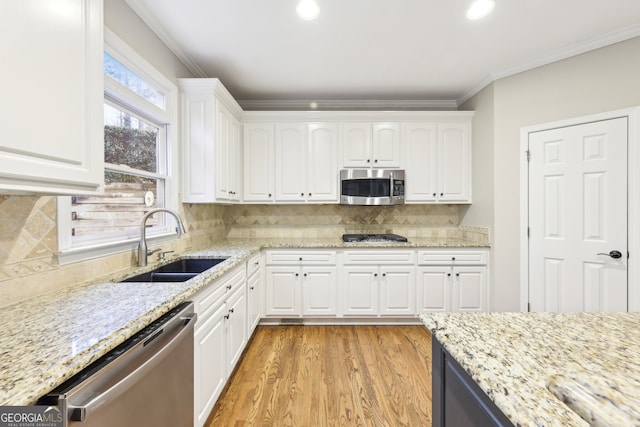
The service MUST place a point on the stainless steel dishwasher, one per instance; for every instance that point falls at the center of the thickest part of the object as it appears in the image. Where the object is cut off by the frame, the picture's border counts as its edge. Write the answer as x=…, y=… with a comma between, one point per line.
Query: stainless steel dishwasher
x=145, y=382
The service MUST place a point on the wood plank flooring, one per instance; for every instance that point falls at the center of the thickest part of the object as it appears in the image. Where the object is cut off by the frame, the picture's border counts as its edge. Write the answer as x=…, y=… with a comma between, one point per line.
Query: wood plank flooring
x=325, y=376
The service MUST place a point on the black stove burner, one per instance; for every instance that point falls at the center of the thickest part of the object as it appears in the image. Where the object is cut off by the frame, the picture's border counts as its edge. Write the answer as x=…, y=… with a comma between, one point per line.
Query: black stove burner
x=350, y=238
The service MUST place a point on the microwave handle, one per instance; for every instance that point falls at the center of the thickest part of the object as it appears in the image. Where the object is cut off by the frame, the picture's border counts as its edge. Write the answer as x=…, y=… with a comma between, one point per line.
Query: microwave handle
x=391, y=187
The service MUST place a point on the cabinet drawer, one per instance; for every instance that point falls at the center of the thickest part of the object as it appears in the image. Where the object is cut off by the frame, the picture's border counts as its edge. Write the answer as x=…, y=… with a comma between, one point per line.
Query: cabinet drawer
x=253, y=264
x=209, y=296
x=450, y=257
x=372, y=256
x=301, y=257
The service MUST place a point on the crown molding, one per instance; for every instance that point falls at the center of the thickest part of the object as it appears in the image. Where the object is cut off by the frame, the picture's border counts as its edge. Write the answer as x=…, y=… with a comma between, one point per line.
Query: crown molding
x=147, y=17
x=352, y=104
x=559, y=55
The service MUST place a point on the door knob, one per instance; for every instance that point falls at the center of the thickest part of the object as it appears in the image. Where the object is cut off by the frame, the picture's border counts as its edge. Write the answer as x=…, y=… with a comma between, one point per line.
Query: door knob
x=613, y=254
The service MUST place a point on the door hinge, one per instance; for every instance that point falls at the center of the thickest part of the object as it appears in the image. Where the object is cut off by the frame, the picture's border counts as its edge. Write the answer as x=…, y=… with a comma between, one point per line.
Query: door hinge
x=528, y=307
x=528, y=155
x=528, y=232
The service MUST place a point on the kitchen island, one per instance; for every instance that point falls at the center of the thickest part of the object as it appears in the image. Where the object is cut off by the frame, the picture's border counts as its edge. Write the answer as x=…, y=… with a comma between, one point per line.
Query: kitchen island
x=530, y=364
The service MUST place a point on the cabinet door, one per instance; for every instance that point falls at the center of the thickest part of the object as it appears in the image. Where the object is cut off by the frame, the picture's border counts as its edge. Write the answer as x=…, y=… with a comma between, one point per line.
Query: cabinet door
x=386, y=145
x=258, y=164
x=52, y=115
x=322, y=161
x=356, y=145
x=469, y=288
x=283, y=291
x=253, y=302
x=319, y=291
x=360, y=290
x=290, y=162
x=454, y=153
x=434, y=288
x=234, y=164
x=236, y=327
x=397, y=290
x=421, y=162
x=210, y=363
x=222, y=146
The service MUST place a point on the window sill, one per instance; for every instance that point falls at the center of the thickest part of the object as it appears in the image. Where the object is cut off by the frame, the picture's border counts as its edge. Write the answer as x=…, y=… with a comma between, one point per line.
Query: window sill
x=85, y=253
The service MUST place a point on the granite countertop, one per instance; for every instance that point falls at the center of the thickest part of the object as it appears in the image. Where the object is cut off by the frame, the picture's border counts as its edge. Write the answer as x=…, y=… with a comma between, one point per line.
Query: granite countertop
x=550, y=369
x=47, y=339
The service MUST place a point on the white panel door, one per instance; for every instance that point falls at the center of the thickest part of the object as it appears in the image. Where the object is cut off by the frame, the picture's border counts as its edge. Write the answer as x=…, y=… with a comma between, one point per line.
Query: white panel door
x=360, y=287
x=421, y=151
x=577, y=217
x=258, y=165
x=454, y=153
x=319, y=291
x=283, y=291
x=291, y=162
x=236, y=327
x=468, y=288
x=434, y=289
x=386, y=145
x=322, y=158
x=397, y=290
x=210, y=366
x=222, y=147
x=356, y=145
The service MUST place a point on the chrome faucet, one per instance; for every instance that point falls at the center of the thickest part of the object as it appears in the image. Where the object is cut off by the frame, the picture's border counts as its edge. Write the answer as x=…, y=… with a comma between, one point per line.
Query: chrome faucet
x=142, y=245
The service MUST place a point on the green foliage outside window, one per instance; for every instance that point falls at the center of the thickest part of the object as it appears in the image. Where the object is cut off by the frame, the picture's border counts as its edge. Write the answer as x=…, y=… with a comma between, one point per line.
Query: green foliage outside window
x=134, y=148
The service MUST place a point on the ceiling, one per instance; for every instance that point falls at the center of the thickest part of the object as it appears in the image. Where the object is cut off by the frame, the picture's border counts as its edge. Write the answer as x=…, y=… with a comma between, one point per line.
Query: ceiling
x=386, y=53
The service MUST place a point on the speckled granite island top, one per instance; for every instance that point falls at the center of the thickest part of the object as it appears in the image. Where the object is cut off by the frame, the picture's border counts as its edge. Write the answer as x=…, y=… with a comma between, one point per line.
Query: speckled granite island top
x=46, y=340
x=550, y=369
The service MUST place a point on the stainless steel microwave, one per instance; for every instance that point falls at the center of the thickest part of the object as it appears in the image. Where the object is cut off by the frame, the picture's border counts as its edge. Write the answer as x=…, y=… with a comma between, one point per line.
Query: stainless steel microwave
x=371, y=187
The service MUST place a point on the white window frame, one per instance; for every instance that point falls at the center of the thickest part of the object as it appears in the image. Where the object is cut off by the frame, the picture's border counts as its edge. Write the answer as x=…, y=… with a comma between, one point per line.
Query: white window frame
x=68, y=251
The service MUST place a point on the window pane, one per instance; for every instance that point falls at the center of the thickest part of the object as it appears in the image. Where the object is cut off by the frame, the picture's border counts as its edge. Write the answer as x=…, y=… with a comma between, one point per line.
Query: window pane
x=119, y=210
x=114, y=69
x=129, y=141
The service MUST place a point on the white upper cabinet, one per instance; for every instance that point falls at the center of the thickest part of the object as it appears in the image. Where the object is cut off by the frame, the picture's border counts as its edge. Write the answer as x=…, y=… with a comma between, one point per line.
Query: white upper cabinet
x=259, y=162
x=366, y=145
x=52, y=100
x=322, y=162
x=291, y=157
x=211, y=142
x=293, y=162
x=438, y=162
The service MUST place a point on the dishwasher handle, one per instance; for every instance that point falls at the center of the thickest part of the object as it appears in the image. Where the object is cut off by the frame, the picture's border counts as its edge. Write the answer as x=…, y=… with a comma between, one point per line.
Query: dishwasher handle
x=80, y=413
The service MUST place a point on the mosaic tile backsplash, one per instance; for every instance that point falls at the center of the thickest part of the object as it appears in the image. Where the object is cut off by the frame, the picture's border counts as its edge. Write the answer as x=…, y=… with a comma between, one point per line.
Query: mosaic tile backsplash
x=28, y=235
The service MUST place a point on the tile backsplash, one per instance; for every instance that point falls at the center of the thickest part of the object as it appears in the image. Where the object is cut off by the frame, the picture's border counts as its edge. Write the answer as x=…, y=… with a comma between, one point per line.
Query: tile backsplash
x=28, y=235
x=273, y=221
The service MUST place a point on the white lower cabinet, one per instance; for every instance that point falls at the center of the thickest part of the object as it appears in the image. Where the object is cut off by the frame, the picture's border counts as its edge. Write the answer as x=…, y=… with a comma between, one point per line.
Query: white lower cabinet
x=254, y=292
x=219, y=339
x=383, y=286
x=379, y=290
x=452, y=280
x=301, y=283
x=210, y=366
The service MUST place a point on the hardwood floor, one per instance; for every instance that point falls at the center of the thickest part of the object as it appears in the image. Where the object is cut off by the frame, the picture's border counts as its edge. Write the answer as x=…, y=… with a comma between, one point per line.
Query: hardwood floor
x=303, y=376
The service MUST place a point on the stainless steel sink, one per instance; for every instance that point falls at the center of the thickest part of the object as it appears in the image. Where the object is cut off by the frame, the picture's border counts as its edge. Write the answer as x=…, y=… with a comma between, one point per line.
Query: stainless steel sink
x=177, y=271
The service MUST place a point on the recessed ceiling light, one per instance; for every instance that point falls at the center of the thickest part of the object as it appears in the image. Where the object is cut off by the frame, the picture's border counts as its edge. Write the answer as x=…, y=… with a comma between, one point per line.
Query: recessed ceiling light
x=480, y=9
x=308, y=10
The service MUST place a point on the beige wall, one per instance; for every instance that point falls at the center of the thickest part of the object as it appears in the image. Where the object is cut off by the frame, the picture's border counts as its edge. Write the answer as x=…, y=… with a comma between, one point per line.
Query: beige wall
x=602, y=80
x=124, y=22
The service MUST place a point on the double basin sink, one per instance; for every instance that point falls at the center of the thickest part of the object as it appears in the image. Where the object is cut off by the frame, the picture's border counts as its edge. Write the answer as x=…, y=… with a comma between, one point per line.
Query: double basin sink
x=177, y=271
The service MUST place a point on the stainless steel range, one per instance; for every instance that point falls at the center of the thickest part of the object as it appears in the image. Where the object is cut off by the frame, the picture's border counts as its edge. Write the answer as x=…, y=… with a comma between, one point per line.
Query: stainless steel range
x=373, y=238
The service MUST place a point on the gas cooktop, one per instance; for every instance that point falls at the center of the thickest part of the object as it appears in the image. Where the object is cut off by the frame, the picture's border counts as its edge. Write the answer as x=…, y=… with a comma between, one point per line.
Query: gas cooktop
x=373, y=238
